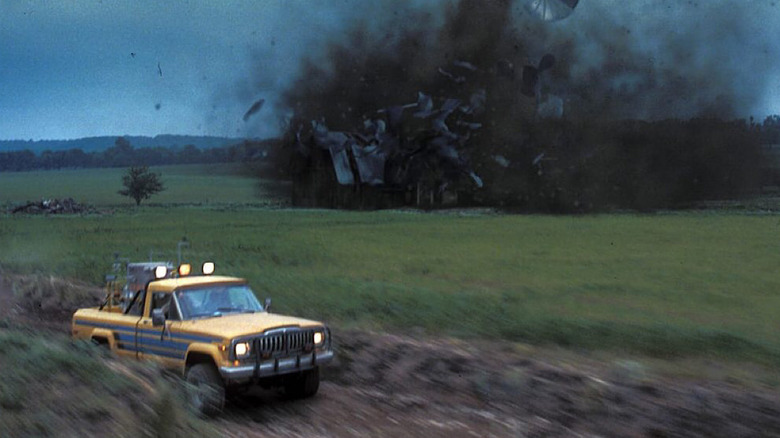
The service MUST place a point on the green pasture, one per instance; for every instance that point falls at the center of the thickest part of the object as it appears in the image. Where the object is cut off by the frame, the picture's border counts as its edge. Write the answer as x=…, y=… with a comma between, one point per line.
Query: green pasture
x=185, y=184
x=690, y=284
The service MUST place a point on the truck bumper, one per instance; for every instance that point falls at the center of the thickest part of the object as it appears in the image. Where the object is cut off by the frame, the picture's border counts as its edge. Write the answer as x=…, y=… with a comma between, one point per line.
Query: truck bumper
x=276, y=366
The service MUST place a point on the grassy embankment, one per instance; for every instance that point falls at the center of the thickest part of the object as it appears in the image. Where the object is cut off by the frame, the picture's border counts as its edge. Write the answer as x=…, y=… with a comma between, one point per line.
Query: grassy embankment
x=693, y=284
x=55, y=387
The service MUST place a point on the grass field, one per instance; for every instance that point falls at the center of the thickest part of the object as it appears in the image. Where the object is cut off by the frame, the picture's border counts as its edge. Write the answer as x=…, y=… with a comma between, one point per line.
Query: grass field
x=188, y=184
x=692, y=284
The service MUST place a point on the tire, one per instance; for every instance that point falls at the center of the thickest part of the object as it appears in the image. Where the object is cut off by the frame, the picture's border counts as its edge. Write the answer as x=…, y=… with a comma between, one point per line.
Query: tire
x=303, y=385
x=206, y=391
x=103, y=346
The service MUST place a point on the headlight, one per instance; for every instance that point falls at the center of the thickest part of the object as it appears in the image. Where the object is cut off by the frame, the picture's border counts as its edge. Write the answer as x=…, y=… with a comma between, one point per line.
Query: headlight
x=319, y=337
x=242, y=349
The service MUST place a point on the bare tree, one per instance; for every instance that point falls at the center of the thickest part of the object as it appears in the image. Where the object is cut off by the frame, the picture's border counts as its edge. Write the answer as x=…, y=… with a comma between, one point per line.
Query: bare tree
x=140, y=184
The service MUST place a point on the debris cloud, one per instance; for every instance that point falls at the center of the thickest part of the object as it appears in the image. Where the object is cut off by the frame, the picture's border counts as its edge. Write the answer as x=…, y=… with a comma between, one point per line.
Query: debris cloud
x=516, y=68
x=647, y=60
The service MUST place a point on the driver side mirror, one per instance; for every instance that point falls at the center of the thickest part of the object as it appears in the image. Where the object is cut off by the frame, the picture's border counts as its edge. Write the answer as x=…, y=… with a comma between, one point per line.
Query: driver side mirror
x=158, y=317
x=267, y=305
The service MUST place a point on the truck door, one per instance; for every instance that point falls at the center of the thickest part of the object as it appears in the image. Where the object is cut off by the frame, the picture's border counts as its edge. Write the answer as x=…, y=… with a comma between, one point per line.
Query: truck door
x=157, y=343
x=144, y=324
x=136, y=310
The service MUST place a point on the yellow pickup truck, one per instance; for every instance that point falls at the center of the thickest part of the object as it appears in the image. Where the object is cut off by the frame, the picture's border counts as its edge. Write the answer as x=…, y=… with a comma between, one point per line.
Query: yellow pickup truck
x=211, y=329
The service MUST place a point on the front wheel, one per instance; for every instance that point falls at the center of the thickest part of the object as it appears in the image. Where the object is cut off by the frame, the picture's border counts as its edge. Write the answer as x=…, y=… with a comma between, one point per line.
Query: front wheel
x=302, y=385
x=206, y=392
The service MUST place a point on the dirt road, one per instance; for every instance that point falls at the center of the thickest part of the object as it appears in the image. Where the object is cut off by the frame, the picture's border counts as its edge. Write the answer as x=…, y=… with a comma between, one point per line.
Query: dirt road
x=394, y=386
x=404, y=386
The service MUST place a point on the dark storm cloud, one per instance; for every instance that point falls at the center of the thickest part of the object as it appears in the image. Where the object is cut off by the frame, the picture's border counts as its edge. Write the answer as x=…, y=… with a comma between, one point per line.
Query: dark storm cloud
x=668, y=58
x=643, y=59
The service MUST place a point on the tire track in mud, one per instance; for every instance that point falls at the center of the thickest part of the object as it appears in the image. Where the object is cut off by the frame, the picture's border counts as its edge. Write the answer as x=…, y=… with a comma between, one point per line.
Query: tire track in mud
x=395, y=386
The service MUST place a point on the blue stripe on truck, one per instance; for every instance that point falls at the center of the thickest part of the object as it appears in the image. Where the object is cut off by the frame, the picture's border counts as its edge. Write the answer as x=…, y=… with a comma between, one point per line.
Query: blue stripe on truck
x=132, y=329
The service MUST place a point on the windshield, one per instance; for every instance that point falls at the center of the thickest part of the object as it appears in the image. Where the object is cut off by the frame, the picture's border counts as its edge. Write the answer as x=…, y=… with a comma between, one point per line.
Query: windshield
x=217, y=300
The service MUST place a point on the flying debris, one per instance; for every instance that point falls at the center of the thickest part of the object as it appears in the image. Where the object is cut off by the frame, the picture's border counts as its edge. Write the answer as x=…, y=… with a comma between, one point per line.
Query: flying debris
x=253, y=109
x=379, y=164
x=501, y=160
x=464, y=64
x=370, y=162
x=547, y=62
x=374, y=127
x=550, y=108
x=470, y=126
x=448, y=107
x=550, y=10
x=337, y=144
x=159, y=69
x=476, y=102
x=424, y=105
x=456, y=79
x=395, y=116
x=506, y=68
x=477, y=179
x=530, y=85
x=341, y=165
x=531, y=75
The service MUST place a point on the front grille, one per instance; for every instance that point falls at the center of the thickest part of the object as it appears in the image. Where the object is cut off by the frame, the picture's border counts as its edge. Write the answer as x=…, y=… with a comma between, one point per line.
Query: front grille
x=286, y=342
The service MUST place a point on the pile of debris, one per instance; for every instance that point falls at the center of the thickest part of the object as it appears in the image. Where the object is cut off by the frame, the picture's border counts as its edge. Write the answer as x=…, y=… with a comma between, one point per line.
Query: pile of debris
x=414, y=152
x=52, y=206
x=419, y=153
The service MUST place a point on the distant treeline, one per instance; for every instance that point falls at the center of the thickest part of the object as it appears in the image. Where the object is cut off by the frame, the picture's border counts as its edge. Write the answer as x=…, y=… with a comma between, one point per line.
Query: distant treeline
x=123, y=154
x=96, y=144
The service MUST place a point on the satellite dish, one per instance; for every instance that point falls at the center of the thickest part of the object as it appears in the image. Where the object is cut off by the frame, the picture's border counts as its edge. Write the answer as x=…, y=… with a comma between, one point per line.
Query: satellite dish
x=550, y=10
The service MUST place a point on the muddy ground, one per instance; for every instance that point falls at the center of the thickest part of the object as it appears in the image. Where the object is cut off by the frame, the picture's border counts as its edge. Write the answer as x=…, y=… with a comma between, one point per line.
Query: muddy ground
x=416, y=386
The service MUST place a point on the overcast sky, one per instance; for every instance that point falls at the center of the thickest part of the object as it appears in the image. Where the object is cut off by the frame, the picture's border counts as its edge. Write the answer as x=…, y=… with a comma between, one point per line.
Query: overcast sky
x=77, y=68
x=74, y=68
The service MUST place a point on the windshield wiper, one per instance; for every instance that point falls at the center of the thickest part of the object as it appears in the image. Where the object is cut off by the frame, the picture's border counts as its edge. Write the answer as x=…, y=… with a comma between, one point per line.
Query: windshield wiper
x=207, y=315
x=229, y=309
x=222, y=310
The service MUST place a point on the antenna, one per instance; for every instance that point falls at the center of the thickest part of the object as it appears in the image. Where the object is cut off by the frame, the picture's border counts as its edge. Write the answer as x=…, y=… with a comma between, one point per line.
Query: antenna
x=183, y=244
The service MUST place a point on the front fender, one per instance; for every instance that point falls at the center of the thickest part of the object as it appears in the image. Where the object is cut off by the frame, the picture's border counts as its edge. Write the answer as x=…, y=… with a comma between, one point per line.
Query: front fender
x=197, y=351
